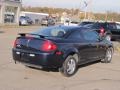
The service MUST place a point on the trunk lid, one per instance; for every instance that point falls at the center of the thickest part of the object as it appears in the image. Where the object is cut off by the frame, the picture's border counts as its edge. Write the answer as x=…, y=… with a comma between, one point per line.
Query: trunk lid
x=29, y=42
x=34, y=42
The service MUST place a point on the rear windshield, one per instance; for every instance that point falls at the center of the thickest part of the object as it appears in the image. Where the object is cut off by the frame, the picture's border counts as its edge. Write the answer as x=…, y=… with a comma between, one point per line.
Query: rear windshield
x=52, y=32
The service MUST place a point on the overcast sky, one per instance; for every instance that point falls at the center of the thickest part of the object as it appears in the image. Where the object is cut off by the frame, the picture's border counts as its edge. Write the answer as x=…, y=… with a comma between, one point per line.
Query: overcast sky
x=96, y=5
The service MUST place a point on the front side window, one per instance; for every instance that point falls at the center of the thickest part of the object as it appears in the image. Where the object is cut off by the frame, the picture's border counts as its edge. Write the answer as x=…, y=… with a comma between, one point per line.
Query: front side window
x=90, y=36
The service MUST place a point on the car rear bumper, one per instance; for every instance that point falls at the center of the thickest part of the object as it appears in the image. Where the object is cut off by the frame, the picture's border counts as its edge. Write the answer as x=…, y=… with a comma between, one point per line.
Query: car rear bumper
x=37, y=59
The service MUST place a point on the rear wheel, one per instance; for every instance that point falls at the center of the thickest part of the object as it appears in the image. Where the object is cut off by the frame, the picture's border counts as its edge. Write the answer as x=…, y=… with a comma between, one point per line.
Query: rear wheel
x=69, y=67
x=19, y=23
x=108, y=56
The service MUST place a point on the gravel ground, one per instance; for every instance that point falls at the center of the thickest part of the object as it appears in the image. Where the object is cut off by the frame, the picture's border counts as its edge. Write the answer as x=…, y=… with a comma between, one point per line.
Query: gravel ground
x=96, y=76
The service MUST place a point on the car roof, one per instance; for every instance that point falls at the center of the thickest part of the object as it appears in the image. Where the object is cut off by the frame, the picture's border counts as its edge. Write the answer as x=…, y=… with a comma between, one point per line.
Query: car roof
x=71, y=27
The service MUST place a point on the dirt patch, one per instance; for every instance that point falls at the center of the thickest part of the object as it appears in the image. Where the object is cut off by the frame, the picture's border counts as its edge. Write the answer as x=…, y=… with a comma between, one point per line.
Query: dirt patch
x=117, y=46
x=2, y=32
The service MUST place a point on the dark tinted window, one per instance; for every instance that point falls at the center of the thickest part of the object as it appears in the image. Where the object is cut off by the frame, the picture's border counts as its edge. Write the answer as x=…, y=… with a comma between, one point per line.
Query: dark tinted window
x=22, y=17
x=90, y=35
x=28, y=18
x=85, y=23
x=111, y=26
x=99, y=25
x=75, y=35
x=25, y=17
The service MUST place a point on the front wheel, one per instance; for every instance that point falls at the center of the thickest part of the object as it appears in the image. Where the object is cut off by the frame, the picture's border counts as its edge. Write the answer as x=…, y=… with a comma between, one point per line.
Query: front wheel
x=108, y=56
x=69, y=67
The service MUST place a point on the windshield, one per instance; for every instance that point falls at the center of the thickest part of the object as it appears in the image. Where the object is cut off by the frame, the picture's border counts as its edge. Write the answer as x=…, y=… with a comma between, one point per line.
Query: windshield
x=25, y=17
x=52, y=32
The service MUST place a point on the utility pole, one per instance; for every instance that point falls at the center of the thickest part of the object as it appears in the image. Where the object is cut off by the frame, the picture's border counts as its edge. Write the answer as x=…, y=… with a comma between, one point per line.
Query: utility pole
x=106, y=16
x=88, y=8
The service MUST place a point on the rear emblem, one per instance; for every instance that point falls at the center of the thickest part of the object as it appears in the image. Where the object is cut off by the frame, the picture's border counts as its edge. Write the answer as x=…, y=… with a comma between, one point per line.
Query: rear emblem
x=18, y=45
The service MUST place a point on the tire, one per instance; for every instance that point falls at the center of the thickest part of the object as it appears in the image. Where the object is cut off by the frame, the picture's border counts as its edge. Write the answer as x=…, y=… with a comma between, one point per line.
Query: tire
x=19, y=23
x=69, y=67
x=108, y=56
x=108, y=37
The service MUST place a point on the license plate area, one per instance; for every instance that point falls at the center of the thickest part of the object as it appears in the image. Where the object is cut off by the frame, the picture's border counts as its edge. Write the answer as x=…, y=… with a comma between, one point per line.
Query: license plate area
x=25, y=57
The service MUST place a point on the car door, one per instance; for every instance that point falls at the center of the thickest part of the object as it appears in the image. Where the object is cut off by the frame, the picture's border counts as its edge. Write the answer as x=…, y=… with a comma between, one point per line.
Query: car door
x=118, y=31
x=115, y=30
x=92, y=42
x=78, y=42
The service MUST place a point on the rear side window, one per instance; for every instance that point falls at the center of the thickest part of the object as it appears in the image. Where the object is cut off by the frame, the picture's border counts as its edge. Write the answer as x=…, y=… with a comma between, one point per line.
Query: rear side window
x=75, y=35
x=22, y=17
x=90, y=36
x=99, y=25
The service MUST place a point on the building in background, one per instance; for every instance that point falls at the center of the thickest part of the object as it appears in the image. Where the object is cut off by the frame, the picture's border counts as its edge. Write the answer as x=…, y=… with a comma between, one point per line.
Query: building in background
x=10, y=11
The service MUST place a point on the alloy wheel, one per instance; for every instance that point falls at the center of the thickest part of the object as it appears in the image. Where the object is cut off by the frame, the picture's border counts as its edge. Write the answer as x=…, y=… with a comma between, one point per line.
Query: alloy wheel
x=71, y=65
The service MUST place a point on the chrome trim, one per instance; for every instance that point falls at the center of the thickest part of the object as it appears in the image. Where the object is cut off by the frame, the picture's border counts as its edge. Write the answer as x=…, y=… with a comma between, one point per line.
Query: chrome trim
x=31, y=65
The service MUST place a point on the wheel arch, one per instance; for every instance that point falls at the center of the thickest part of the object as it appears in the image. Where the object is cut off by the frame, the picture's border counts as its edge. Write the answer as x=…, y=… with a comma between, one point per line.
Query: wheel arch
x=73, y=52
x=112, y=48
x=108, y=33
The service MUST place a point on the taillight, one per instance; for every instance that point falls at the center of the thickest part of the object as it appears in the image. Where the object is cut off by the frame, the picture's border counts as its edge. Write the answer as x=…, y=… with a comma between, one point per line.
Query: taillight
x=15, y=43
x=102, y=31
x=48, y=46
